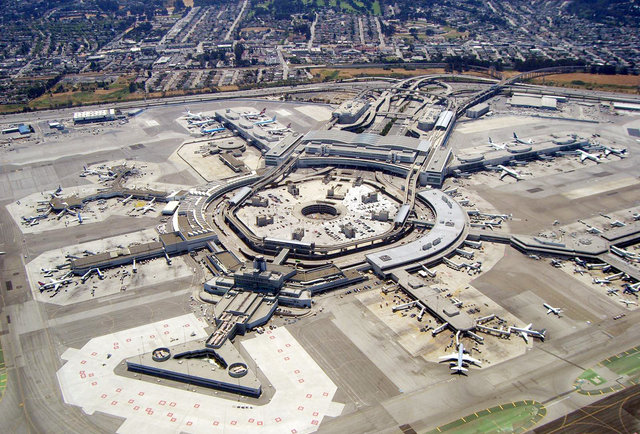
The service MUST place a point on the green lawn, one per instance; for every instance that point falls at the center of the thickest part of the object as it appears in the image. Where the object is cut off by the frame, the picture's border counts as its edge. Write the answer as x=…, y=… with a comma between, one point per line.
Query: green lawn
x=3, y=374
x=591, y=376
x=376, y=8
x=624, y=364
x=513, y=417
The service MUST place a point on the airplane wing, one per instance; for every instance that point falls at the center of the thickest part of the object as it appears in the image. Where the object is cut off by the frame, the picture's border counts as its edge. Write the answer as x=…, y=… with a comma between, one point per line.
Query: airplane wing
x=452, y=356
x=470, y=359
x=525, y=336
x=459, y=369
x=503, y=174
x=583, y=157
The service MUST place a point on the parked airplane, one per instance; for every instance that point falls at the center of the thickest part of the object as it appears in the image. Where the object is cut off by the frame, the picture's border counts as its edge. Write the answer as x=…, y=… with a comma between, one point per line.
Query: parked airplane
x=194, y=116
x=527, y=331
x=212, y=130
x=148, y=207
x=631, y=288
x=497, y=146
x=505, y=171
x=611, y=291
x=554, y=310
x=601, y=281
x=254, y=115
x=627, y=302
x=57, y=192
x=556, y=263
x=459, y=360
x=618, y=224
x=79, y=218
x=268, y=121
x=281, y=130
x=127, y=199
x=580, y=262
x=53, y=284
x=586, y=155
x=620, y=152
x=536, y=257
x=201, y=123
x=519, y=140
x=579, y=270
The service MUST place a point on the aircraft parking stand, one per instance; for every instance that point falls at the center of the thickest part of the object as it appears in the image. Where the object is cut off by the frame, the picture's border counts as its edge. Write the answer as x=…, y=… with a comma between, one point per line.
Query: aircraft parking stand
x=303, y=392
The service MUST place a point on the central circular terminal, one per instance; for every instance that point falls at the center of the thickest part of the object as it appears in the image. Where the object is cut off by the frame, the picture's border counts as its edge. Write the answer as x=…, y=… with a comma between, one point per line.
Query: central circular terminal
x=320, y=211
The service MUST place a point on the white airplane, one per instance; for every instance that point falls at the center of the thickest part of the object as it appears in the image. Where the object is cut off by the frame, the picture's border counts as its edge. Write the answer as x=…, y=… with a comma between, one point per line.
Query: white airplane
x=620, y=152
x=527, y=331
x=148, y=207
x=201, y=123
x=459, y=360
x=519, y=140
x=127, y=199
x=628, y=302
x=554, y=310
x=194, y=116
x=601, y=281
x=211, y=130
x=254, y=115
x=594, y=230
x=579, y=270
x=618, y=224
x=79, y=218
x=505, y=171
x=611, y=291
x=268, y=121
x=631, y=288
x=53, y=284
x=281, y=130
x=47, y=272
x=586, y=155
x=497, y=146
x=57, y=192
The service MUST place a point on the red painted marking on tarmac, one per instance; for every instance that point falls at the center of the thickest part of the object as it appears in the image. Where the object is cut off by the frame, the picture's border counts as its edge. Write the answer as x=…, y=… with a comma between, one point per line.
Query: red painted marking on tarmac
x=269, y=332
x=187, y=325
x=152, y=336
x=278, y=419
x=83, y=362
x=233, y=422
x=189, y=423
x=325, y=394
x=90, y=375
x=280, y=350
x=196, y=405
x=149, y=409
x=297, y=371
x=165, y=325
x=114, y=402
x=150, y=412
x=315, y=413
x=141, y=393
x=251, y=420
x=286, y=358
x=287, y=345
x=301, y=380
x=128, y=339
x=94, y=383
x=259, y=423
x=314, y=422
x=118, y=390
x=166, y=332
x=272, y=337
x=172, y=404
x=309, y=395
x=216, y=423
x=162, y=402
x=130, y=401
x=103, y=396
x=300, y=408
x=293, y=431
x=94, y=354
x=169, y=414
x=136, y=408
x=173, y=419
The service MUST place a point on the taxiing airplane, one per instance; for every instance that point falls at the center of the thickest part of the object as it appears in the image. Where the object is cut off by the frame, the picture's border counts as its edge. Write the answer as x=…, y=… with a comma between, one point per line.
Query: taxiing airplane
x=628, y=302
x=527, y=331
x=554, y=310
x=521, y=141
x=588, y=156
x=459, y=360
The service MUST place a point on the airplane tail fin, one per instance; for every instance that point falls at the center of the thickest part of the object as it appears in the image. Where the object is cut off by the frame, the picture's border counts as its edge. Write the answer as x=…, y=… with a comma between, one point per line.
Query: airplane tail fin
x=515, y=136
